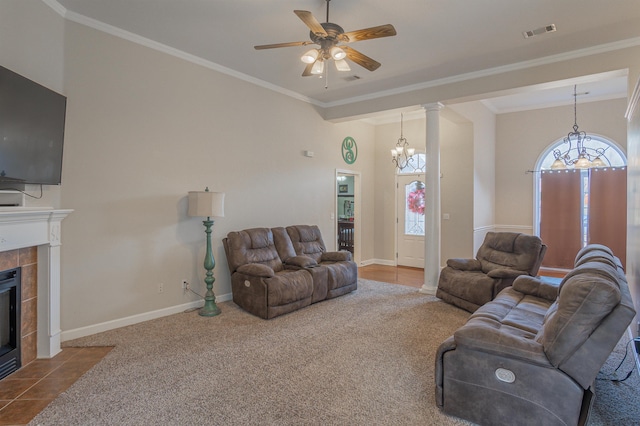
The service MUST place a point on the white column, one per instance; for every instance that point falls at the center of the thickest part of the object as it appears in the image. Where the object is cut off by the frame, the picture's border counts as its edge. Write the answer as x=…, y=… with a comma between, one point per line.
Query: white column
x=432, y=200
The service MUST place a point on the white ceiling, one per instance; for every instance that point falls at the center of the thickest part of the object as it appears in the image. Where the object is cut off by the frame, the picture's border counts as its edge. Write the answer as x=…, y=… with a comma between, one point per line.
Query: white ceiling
x=436, y=39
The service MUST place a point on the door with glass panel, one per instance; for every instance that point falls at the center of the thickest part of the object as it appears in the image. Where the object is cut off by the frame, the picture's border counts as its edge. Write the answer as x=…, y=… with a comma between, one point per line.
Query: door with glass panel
x=410, y=220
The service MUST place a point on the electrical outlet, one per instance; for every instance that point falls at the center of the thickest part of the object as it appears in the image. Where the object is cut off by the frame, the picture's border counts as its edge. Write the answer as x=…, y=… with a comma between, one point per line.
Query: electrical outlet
x=160, y=288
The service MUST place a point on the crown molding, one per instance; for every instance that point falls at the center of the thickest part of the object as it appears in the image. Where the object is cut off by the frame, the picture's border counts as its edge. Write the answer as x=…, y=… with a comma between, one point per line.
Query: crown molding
x=143, y=41
x=135, y=38
x=575, y=54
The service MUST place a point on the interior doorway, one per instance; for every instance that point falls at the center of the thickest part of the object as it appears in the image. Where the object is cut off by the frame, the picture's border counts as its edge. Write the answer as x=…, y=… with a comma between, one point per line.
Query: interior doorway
x=347, y=212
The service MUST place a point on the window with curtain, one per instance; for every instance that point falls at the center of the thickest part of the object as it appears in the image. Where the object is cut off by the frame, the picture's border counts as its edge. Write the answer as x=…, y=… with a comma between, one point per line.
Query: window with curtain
x=577, y=207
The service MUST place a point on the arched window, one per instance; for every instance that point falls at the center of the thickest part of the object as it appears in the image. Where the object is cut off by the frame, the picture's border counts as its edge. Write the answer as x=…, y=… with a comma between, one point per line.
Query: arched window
x=416, y=164
x=575, y=207
x=598, y=146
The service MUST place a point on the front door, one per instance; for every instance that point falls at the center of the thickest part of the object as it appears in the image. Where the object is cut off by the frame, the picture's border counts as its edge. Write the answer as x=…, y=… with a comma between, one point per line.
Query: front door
x=410, y=220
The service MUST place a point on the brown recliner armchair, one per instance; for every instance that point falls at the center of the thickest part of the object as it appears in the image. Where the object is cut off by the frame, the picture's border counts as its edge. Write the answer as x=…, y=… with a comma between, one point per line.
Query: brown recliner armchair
x=503, y=256
x=260, y=282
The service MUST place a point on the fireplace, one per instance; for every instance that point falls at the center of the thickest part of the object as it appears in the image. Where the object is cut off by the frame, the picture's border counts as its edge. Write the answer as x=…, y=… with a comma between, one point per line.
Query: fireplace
x=22, y=228
x=10, y=302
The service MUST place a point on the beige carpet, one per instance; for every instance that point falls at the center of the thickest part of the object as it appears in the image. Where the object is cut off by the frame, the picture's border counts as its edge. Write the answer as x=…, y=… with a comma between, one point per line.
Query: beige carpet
x=365, y=358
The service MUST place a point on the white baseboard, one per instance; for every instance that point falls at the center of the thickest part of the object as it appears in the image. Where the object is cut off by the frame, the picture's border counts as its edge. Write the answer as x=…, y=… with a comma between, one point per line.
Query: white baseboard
x=378, y=262
x=135, y=319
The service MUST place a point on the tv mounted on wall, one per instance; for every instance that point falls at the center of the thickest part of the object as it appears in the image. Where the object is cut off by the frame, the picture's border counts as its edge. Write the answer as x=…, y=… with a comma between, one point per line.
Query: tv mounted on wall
x=31, y=132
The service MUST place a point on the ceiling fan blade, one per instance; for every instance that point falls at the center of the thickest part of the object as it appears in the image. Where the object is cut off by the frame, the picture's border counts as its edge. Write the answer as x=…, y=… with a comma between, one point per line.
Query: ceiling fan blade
x=290, y=44
x=307, y=70
x=311, y=22
x=368, y=33
x=361, y=59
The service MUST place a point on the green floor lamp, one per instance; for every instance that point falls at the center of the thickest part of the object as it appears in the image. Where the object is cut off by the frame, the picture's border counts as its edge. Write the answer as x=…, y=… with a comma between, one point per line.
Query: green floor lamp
x=207, y=204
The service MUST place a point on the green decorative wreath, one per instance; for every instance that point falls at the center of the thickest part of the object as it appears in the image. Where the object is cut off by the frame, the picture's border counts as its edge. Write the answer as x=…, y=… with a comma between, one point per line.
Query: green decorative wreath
x=349, y=150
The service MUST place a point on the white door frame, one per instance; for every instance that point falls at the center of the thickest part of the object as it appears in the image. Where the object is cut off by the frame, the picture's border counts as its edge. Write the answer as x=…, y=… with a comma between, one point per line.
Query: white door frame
x=357, y=211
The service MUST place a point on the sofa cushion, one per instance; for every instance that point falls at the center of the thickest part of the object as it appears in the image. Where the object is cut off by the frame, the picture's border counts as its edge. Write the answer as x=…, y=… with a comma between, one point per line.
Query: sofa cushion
x=288, y=287
x=536, y=287
x=511, y=249
x=586, y=296
x=515, y=309
x=478, y=287
x=307, y=241
x=257, y=269
x=252, y=246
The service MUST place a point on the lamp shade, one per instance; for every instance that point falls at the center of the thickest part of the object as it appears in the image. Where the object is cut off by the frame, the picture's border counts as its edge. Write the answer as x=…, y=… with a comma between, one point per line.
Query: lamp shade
x=206, y=204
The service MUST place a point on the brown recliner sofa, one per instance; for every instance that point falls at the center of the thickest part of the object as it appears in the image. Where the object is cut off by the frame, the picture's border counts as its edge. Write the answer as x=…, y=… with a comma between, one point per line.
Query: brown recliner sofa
x=531, y=356
x=503, y=256
x=342, y=273
x=268, y=277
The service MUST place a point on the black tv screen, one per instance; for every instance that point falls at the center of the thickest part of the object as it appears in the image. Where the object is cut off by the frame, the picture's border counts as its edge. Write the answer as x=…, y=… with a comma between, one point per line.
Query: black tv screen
x=31, y=131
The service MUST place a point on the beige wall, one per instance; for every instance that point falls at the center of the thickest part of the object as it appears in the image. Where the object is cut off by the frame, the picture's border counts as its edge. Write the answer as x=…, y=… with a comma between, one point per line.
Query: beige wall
x=143, y=129
x=457, y=188
x=32, y=45
x=484, y=169
x=456, y=164
x=523, y=136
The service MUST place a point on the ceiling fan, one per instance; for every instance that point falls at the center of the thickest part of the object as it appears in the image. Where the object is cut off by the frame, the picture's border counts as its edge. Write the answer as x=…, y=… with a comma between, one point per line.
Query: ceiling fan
x=329, y=36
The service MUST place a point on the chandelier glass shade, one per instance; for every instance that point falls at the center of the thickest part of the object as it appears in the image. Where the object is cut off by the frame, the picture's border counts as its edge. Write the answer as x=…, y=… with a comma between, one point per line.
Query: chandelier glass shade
x=578, y=155
x=318, y=57
x=402, y=155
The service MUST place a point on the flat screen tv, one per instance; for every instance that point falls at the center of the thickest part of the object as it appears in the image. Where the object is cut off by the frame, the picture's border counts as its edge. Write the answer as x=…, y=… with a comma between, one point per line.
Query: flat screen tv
x=31, y=132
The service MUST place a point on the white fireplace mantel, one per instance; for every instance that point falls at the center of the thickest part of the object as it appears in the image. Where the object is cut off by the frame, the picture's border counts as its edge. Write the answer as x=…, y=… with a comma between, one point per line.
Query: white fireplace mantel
x=22, y=227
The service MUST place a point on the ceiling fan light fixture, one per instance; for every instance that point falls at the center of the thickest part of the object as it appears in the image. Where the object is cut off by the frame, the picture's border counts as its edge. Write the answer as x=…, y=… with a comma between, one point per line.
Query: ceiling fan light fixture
x=310, y=56
x=342, y=65
x=318, y=67
x=337, y=53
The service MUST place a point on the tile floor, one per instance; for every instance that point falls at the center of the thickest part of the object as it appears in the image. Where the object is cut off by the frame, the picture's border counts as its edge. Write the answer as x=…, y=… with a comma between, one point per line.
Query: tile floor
x=29, y=390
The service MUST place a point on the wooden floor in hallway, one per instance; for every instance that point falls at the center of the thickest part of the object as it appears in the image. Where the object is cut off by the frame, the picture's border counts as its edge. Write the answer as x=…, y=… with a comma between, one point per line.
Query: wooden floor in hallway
x=413, y=277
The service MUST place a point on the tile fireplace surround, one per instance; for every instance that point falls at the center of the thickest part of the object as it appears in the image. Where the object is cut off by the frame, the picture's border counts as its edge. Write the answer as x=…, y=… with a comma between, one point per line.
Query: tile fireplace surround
x=25, y=227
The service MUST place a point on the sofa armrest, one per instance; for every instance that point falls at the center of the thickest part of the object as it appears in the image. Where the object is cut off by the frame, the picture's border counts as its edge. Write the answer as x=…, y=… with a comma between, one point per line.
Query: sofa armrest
x=336, y=256
x=535, y=287
x=301, y=262
x=465, y=264
x=486, y=335
x=506, y=273
x=256, y=269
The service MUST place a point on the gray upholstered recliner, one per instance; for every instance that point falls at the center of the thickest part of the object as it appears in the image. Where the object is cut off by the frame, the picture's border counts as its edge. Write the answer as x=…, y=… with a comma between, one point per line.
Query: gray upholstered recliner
x=341, y=271
x=531, y=356
x=503, y=256
x=260, y=283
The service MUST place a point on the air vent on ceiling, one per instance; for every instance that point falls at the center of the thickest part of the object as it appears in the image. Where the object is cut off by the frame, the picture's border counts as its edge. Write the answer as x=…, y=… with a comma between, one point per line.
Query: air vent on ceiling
x=542, y=30
x=352, y=78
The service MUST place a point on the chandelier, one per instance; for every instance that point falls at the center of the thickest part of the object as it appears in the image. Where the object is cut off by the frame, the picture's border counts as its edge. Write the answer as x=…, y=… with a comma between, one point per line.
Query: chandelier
x=578, y=155
x=402, y=155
